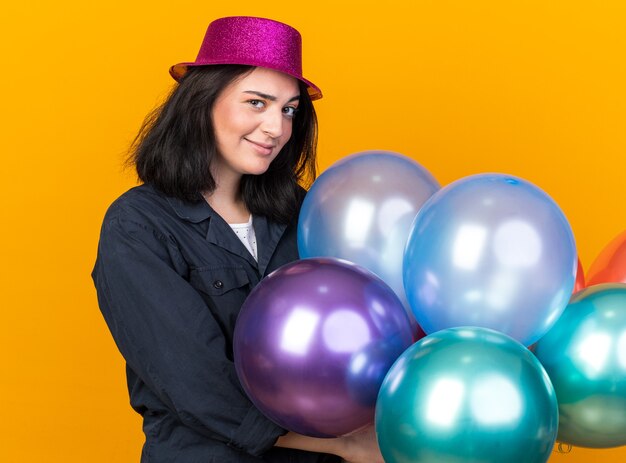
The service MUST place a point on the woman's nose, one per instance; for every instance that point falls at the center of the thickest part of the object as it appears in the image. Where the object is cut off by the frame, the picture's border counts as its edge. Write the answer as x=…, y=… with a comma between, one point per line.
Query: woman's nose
x=272, y=124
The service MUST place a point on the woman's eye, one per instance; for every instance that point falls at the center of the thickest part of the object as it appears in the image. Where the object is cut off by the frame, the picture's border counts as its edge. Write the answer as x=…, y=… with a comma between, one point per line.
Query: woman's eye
x=290, y=111
x=257, y=103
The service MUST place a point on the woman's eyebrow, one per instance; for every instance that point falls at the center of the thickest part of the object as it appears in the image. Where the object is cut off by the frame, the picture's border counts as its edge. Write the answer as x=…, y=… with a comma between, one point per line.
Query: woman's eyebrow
x=269, y=97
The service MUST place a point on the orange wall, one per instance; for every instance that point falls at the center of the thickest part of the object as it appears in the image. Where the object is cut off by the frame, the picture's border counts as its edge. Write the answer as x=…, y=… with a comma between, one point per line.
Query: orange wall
x=531, y=88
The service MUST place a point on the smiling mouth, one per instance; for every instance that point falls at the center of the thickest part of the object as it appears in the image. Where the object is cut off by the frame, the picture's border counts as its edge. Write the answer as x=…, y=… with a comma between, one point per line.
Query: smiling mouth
x=261, y=147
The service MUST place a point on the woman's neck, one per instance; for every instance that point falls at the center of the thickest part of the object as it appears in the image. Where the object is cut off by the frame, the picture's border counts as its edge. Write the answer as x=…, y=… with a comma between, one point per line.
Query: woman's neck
x=226, y=200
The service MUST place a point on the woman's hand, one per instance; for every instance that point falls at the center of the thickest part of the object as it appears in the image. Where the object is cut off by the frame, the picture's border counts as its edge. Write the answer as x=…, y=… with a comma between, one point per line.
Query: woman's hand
x=362, y=447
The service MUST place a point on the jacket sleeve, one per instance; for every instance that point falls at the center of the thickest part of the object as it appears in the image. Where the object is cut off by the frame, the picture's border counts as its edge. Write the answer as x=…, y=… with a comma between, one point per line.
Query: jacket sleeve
x=169, y=337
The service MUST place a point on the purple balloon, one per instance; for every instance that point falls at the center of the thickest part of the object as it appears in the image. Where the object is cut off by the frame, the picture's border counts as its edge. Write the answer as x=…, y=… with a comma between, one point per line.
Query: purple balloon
x=313, y=343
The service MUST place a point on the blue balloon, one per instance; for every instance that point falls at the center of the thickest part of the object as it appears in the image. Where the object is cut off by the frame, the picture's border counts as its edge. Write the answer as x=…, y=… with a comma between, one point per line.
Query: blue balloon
x=584, y=355
x=466, y=394
x=490, y=250
x=361, y=209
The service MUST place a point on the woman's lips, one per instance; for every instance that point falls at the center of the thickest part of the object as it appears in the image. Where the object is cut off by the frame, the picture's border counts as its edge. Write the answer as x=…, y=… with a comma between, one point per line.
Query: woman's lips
x=262, y=148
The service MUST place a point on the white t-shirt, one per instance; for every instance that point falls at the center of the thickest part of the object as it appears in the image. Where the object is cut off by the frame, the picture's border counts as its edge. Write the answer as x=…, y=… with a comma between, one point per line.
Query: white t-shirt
x=245, y=232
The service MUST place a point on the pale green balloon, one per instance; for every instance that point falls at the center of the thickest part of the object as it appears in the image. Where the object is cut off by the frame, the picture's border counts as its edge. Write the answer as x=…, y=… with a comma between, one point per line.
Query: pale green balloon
x=466, y=394
x=585, y=356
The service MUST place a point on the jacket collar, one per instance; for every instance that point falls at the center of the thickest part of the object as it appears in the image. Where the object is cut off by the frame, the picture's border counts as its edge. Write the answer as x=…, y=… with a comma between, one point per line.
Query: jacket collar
x=268, y=233
x=192, y=211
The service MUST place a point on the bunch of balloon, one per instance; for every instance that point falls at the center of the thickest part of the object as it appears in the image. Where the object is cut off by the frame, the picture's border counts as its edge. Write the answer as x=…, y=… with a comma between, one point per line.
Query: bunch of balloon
x=361, y=209
x=490, y=250
x=314, y=341
x=466, y=394
x=610, y=265
x=584, y=354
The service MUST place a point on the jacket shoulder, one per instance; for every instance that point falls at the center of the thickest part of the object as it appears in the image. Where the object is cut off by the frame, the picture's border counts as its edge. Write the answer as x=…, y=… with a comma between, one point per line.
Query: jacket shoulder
x=137, y=204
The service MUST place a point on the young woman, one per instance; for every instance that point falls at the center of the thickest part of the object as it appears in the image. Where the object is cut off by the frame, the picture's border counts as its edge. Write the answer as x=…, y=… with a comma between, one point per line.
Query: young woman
x=221, y=162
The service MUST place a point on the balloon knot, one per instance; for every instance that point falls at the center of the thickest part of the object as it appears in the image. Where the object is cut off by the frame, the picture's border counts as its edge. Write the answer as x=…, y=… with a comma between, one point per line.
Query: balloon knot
x=564, y=448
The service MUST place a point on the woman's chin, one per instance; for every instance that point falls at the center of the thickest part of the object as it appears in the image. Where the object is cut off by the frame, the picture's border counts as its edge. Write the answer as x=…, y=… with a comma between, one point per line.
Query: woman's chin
x=259, y=169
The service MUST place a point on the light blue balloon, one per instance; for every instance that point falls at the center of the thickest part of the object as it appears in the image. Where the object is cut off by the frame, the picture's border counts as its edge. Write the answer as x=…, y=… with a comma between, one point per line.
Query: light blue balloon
x=361, y=209
x=584, y=355
x=490, y=250
x=466, y=394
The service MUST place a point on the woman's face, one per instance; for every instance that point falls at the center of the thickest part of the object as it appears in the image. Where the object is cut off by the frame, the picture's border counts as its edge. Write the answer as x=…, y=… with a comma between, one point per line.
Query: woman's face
x=252, y=121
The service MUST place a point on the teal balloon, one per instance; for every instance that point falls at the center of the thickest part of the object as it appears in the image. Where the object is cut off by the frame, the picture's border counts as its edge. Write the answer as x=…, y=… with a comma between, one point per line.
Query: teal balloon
x=490, y=250
x=585, y=356
x=466, y=394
